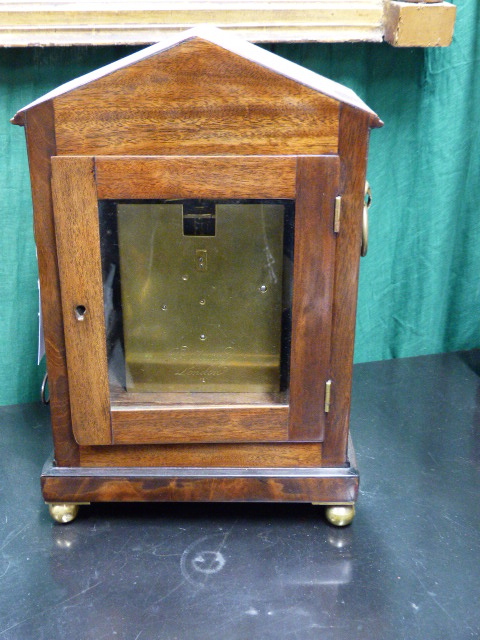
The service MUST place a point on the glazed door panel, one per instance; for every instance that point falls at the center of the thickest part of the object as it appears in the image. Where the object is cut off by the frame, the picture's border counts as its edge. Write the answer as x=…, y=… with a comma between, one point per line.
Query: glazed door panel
x=197, y=296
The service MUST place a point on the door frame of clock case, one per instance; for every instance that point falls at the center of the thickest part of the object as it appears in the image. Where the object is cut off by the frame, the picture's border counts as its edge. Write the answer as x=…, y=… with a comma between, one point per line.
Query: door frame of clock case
x=78, y=182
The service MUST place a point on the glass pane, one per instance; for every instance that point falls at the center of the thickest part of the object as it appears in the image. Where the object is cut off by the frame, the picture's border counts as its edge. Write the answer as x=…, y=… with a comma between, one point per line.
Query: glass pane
x=197, y=294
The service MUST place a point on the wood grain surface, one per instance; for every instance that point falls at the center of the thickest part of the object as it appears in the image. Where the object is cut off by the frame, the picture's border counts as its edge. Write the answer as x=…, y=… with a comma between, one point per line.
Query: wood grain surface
x=230, y=43
x=196, y=177
x=204, y=455
x=314, y=263
x=78, y=244
x=40, y=134
x=195, y=99
x=200, y=424
x=353, y=146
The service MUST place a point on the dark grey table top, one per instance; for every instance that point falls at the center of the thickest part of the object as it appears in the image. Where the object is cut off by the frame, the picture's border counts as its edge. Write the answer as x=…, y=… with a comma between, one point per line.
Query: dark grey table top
x=408, y=567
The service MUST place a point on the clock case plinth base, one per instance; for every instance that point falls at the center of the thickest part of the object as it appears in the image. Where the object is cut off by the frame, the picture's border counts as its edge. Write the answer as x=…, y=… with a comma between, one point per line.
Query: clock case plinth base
x=319, y=485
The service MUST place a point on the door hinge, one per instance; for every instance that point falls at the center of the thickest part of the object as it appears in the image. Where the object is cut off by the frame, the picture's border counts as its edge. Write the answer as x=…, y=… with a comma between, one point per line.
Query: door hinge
x=337, y=215
x=328, y=393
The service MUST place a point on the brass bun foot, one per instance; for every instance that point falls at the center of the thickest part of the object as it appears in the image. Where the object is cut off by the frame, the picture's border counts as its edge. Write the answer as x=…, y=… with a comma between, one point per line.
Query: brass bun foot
x=63, y=512
x=340, y=515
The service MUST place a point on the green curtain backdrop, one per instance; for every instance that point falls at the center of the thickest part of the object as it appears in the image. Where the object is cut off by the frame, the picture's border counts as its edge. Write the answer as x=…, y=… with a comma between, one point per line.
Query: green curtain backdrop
x=419, y=285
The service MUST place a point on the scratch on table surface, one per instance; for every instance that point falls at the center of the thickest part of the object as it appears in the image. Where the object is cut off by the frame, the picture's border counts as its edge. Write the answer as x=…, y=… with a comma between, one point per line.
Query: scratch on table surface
x=264, y=537
x=12, y=535
x=63, y=602
x=433, y=596
x=169, y=593
x=6, y=569
x=54, y=606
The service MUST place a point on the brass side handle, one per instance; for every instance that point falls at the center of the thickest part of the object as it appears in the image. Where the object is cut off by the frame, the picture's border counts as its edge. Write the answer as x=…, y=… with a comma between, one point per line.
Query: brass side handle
x=45, y=398
x=366, y=205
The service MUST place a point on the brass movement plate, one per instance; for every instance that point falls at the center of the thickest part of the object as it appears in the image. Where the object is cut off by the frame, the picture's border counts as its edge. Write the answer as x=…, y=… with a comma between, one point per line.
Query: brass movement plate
x=201, y=312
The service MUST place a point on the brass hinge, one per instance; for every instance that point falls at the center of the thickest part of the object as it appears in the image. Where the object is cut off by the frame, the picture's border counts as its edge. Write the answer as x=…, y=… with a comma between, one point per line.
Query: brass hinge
x=338, y=212
x=328, y=393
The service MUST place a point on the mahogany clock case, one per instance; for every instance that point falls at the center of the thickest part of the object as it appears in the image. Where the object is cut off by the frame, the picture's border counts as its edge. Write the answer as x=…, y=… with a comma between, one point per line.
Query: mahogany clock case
x=204, y=150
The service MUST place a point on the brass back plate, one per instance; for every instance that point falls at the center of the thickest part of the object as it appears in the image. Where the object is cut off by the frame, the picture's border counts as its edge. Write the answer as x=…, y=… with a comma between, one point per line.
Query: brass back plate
x=202, y=313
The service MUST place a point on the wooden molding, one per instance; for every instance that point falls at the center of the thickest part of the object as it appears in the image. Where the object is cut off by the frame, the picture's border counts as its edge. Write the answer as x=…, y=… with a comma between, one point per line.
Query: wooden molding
x=419, y=24
x=69, y=22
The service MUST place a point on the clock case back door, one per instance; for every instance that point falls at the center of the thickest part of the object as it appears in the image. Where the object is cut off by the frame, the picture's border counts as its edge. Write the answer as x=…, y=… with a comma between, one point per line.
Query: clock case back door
x=104, y=415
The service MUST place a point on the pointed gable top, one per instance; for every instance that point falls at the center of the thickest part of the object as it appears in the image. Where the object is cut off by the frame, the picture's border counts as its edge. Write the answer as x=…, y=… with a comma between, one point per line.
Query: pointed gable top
x=231, y=43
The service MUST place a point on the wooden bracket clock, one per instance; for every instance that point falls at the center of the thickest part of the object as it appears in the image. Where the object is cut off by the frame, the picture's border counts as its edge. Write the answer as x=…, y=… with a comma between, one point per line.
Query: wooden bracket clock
x=198, y=219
